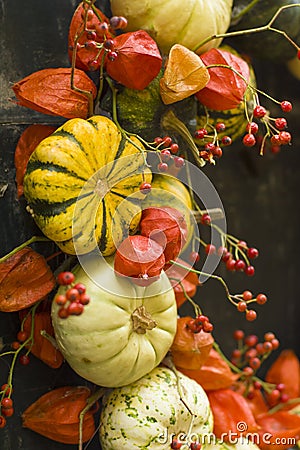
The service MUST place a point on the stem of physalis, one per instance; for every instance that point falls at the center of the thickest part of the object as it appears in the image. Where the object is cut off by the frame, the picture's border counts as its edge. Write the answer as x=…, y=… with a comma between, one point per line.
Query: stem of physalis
x=90, y=402
x=267, y=27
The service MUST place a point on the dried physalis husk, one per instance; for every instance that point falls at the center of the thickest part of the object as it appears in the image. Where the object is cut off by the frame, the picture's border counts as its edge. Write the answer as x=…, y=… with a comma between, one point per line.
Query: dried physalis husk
x=185, y=74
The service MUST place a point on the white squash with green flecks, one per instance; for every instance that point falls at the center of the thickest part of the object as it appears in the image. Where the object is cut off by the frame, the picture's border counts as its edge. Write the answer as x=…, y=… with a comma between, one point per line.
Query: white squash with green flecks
x=147, y=413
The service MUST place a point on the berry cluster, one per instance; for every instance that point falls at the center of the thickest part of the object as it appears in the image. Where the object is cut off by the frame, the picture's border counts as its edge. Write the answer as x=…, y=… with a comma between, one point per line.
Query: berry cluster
x=201, y=322
x=75, y=298
x=275, y=128
x=6, y=404
x=210, y=144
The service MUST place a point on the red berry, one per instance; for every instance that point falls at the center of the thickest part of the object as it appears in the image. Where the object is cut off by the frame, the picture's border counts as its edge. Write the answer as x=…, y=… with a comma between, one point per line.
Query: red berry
x=15, y=345
x=65, y=278
x=165, y=155
x=251, y=340
x=94, y=64
x=199, y=134
x=208, y=327
x=280, y=386
x=201, y=319
x=250, y=271
x=222, y=251
x=205, y=219
x=8, y=412
x=195, y=446
x=281, y=123
x=194, y=257
x=84, y=299
x=22, y=336
x=255, y=363
x=242, y=245
x=174, y=148
x=112, y=55
x=109, y=44
x=261, y=299
x=167, y=141
x=118, y=22
x=252, y=253
x=248, y=371
x=210, y=249
x=158, y=140
x=249, y=140
x=75, y=309
x=250, y=395
x=275, y=139
x=226, y=140
x=251, y=315
x=269, y=336
x=209, y=147
x=145, y=188
x=175, y=445
x=6, y=403
x=2, y=422
x=285, y=137
x=238, y=335
x=267, y=346
x=236, y=353
x=163, y=167
x=241, y=306
x=62, y=313
x=252, y=127
x=226, y=256
x=230, y=265
x=284, y=398
x=259, y=111
x=193, y=326
x=275, y=344
x=178, y=161
x=72, y=295
x=260, y=348
x=247, y=295
x=24, y=360
x=101, y=28
x=60, y=300
x=6, y=389
x=286, y=106
x=217, y=152
x=251, y=353
x=257, y=385
x=240, y=265
x=220, y=126
x=274, y=396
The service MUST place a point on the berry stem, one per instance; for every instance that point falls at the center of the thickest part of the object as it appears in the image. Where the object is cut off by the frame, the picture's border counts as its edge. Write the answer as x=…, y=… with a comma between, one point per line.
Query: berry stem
x=89, y=403
x=244, y=11
x=283, y=404
x=25, y=244
x=267, y=27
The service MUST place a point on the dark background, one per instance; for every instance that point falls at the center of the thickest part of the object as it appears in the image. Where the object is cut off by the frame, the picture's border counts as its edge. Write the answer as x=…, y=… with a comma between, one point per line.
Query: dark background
x=260, y=197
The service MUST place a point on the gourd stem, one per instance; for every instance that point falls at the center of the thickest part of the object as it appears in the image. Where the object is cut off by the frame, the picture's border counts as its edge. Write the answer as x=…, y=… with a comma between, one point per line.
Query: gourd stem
x=142, y=320
x=170, y=122
x=267, y=27
x=25, y=244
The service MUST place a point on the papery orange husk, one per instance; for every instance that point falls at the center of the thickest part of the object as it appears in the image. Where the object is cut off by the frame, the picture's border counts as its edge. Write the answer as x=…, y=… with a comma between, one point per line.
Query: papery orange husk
x=229, y=409
x=139, y=258
x=29, y=140
x=213, y=374
x=25, y=278
x=285, y=370
x=184, y=75
x=86, y=54
x=138, y=60
x=225, y=89
x=42, y=347
x=190, y=350
x=166, y=226
x=49, y=91
x=55, y=415
x=182, y=280
x=280, y=430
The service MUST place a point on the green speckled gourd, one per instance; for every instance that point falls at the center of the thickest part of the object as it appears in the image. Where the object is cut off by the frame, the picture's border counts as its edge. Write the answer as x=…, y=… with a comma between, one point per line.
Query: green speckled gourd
x=147, y=413
x=82, y=185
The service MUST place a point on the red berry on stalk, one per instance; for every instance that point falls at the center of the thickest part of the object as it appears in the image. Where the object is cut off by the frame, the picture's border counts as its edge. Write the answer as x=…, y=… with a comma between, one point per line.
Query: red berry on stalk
x=280, y=123
x=230, y=265
x=252, y=253
x=199, y=134
x=267, y=346
x=275, y=344
x=249, y=140
x=208, y=327
x=259, y=111
x=94, y=64
x=255, y=363
x=248, y=371
x=75, y=309
x=222, y=251
x=269, y=336
x=252, y=127
x=61, y=300
x=286, y=106
x=109, y=44
x=15, y=345
x=284, y=398
x=84, y=299
x=6, y=403
x=178, y=161
x=174, y=148
x=217, y=152
x=194, y=257
x=63, y=313
x=24, y=360
x=274, y=396
x=251, y=340
x=22, y=336
x=81, y=288
x=195, y=446
x=72, y=294
x=220, y=126
x=275, y=139
x=205, y=219
x=226, y=256
x=91, y=44
x=112, y=55
x=241, y=306
x=247, y=295
x=8, y=412
x=162, y=167
x=280, y=386
x=240, y=265
x=165, y=155
x=285, y=137
x=238, y=335
x=210, y=249
x=118, y=22
x=257, y=385
x=2, y=422
x=6, y=389
x=193, y=326
x=260, y=348
x=236, y=353
x=226, y=140
x=145, y=188
x=251, y=315
x=65, y=278
x=167, y=141
x=158, y=140
x=175, y=444
x=209, y=147
x=261, y=299
x=250, y=271
x=101, y=28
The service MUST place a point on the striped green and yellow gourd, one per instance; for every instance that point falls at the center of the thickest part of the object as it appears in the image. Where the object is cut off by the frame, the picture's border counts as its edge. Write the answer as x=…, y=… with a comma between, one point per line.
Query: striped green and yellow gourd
x=82, y=185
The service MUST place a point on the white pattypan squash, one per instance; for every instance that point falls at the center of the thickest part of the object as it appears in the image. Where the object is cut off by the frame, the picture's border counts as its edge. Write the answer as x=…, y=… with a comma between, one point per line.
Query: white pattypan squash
x=124, y=332
x=146, y=414
x=171, y=22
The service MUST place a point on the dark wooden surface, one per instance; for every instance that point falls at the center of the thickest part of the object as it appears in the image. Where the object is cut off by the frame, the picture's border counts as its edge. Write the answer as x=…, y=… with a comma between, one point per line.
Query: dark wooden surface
x=260, y=196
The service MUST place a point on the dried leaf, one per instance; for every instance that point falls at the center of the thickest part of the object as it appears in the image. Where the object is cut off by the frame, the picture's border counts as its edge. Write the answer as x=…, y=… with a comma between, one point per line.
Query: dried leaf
x=42, y=347
x=29, y=140
x=87, y=53
x=138, y=60
x=225, y=89
x=55, y=415
x=185, y=74
x=214, y=373
x=25, y=278
x=49, y=91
